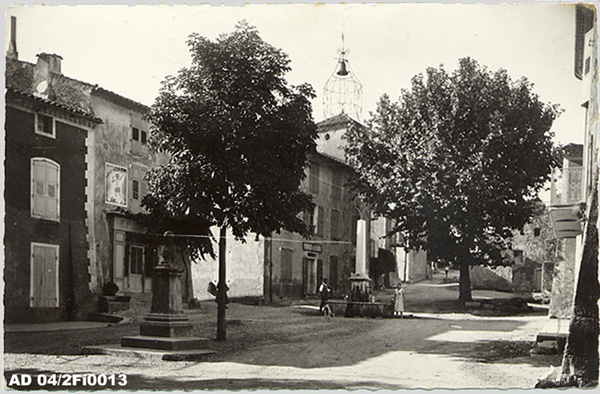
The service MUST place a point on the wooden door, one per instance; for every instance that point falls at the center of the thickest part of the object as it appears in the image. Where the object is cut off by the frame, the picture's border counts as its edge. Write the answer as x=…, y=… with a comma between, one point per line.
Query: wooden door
x=44, y=276
x=119, y=260
x=319, y=273
x=135, y=277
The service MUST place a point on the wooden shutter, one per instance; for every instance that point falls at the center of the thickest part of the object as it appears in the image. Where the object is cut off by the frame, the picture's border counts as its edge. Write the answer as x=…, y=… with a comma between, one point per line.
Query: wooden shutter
x=52, y=190
x=335, y=224
x=314, y=178
x=51, y=277
x=304, y=276
x=38, y=188
x=45, y=189
x=333, y=271
x=44, y=276
x=320, y=221
x=319, y=271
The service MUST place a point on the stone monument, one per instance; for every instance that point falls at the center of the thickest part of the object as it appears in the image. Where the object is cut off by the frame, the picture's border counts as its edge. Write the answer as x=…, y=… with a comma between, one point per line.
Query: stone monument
x=360, y=283
x=166, y=327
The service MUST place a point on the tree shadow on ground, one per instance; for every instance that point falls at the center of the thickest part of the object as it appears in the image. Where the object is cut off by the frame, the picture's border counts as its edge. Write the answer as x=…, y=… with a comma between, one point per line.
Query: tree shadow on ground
x=141, y=382
x=295, y=337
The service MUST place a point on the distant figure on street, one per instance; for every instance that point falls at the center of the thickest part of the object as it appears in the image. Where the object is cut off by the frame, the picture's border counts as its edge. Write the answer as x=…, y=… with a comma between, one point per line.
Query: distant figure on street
x=399, y=301
x=447, y=269
x=324, y=290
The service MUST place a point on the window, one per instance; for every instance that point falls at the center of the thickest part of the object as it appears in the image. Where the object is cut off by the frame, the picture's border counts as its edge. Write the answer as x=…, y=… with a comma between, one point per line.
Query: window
x=336, y=185
x=138, y=187
x=286, y=264
x=537, y=231
x=135, y=134
x=44, y=125
x=144, y=136
x=320, y=221
x=335, y=224
x=309, y=220
x=136, y=190
x=45, y=189
x=136, y=259
x=313, y=178
x=44, y=276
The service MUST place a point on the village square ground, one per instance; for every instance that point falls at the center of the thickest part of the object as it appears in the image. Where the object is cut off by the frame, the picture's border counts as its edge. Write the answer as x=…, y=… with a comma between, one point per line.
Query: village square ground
x=292, y=347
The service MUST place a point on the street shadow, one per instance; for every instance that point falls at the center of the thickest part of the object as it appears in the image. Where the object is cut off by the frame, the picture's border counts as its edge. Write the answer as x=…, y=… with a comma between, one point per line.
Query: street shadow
x=32, y=379
x=338, y=341
x=141, y=382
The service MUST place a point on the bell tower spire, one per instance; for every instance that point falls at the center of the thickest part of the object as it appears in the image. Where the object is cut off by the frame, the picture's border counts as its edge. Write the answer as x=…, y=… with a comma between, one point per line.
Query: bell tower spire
x=342, y=92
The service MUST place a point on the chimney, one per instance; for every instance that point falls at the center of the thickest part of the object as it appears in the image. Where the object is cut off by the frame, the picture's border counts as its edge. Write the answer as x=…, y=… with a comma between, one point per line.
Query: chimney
x=12, y=53
x=50, y=61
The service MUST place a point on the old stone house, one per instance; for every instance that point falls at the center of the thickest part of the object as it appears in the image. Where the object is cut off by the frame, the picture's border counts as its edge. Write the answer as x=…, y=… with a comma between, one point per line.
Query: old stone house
x=87, y=147
x=48, y=130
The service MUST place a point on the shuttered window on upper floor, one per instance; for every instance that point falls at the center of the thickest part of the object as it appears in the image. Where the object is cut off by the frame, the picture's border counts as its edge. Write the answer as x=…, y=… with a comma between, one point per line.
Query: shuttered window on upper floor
x=313, y=178
x=45, y=189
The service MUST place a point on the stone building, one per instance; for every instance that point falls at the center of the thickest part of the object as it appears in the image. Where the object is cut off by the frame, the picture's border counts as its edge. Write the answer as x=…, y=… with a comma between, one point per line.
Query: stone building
x=411, y=266
x=295, y=266
x=87, y=146
x=535, y=252
x=49, y=126
x=121, y=159
x=566, y=203
x=581, y=356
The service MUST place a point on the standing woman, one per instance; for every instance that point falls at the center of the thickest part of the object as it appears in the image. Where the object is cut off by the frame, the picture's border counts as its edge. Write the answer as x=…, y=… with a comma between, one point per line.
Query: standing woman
x=399, y=301
x=324, y=290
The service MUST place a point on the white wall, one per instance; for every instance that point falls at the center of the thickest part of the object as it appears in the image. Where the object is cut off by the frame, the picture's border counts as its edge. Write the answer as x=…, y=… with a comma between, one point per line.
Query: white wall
x=244, y=269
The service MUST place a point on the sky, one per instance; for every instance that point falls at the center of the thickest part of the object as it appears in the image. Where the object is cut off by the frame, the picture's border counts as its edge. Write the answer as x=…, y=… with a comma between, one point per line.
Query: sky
x=130, y=49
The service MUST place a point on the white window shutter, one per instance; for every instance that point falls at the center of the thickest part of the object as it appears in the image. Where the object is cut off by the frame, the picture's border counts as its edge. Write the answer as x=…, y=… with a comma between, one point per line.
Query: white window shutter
x=52, y=191
x=38, y=188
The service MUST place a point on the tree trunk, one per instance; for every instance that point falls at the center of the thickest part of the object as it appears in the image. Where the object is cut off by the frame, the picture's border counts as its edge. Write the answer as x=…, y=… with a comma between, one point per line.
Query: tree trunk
x=222, y=287
x=464, y=286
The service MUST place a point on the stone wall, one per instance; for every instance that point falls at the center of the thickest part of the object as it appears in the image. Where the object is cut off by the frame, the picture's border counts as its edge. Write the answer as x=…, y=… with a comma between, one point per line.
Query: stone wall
x=561, y=301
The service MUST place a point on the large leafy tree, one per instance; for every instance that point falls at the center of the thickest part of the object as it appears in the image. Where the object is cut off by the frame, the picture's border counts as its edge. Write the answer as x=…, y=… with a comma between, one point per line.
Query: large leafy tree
x=458, y=162
x=238, y=136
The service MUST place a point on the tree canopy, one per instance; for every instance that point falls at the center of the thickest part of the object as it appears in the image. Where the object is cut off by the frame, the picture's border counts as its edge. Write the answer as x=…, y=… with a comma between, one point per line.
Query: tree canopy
x=457, y=162
x=238, y=137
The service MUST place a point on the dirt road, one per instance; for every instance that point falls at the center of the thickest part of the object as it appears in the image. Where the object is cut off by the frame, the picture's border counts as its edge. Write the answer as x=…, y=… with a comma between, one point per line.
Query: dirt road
x=291, y=347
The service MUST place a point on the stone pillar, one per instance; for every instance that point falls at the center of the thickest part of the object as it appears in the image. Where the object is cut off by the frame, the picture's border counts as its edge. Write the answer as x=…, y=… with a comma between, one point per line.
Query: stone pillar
x=166, y=317
x=361, y=247
x=360, y=283
x=166, y=327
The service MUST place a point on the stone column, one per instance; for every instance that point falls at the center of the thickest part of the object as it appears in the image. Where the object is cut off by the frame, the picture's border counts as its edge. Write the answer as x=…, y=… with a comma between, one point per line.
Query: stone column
x=361, y=247
x=166, y=327
x=360, y=283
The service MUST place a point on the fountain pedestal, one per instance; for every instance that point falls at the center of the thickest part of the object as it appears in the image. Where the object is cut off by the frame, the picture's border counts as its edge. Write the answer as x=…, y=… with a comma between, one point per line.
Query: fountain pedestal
x=166, y=327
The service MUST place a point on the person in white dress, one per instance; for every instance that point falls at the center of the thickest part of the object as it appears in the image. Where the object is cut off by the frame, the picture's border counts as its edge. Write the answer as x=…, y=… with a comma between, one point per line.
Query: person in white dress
x=399, y=301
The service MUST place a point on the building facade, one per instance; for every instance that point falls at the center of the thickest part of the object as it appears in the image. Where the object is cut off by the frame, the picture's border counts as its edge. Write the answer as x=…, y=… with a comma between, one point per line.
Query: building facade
x=295, y=266
x=47, y=203
x=121, y=159
x=581, y=357
x=411, y=266
x=87, y=146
